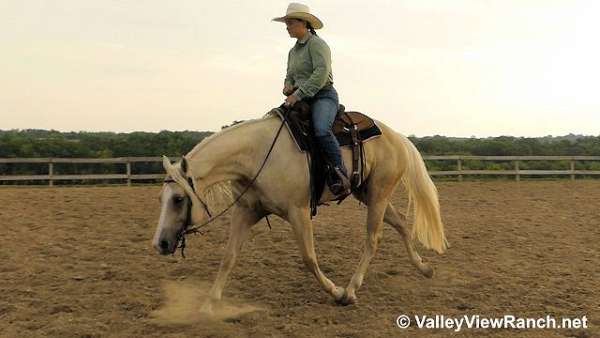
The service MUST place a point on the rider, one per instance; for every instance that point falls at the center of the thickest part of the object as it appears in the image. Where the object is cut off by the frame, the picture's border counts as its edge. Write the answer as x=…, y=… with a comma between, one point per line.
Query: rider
x=309, y=78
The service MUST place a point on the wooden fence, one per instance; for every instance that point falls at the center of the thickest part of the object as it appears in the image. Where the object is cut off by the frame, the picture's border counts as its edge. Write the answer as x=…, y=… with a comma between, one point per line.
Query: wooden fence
x=516, y=160
x=128, y=177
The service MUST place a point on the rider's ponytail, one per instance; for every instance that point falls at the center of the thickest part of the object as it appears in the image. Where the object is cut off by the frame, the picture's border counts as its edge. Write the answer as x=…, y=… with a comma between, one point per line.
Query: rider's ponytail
x=310, y=28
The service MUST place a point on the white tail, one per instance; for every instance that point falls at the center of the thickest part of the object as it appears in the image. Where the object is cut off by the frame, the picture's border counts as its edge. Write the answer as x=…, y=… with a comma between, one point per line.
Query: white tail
x=422, y=194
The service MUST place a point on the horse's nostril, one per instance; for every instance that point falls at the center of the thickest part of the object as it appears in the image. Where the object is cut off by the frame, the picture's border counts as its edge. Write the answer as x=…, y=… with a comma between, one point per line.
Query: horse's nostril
x=164, y=245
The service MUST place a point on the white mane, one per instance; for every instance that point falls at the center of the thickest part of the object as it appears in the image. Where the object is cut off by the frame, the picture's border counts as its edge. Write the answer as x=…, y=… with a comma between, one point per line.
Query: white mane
x=225, y=131
x=220, y=194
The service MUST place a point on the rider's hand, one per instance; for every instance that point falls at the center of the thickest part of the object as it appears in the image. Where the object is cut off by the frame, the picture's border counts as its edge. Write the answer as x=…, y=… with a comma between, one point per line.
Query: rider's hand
x=288, y=90
x=291, y=100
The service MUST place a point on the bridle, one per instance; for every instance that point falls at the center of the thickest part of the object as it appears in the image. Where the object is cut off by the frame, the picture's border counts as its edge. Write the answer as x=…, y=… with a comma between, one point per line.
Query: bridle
x=196, y=229
x=189, y=179
x=180, y=238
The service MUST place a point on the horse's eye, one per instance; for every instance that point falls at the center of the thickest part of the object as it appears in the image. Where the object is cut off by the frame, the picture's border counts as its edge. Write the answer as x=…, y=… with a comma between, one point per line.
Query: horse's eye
x=178, y=200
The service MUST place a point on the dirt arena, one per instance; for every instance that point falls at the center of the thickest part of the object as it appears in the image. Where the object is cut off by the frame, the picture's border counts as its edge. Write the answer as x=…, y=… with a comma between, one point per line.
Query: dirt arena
x=77, y=262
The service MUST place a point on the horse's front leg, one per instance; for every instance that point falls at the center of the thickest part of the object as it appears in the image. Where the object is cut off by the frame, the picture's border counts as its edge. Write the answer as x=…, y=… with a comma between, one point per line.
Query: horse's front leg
x=241, y=221
x=303, y=231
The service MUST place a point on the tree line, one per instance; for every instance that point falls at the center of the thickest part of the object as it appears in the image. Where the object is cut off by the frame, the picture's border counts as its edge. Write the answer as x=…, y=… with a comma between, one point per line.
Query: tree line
x=568, y=145
x=52, y=143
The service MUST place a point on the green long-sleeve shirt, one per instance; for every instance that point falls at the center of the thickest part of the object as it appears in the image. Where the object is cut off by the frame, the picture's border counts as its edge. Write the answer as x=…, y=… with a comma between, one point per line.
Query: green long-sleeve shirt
x=309, y=66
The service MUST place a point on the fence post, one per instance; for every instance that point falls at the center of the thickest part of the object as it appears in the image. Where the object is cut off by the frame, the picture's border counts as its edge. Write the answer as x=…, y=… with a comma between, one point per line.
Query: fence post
x=572, y=170
x=128, y=173
x=50, y=172
x=459, y=167
x=517, y=176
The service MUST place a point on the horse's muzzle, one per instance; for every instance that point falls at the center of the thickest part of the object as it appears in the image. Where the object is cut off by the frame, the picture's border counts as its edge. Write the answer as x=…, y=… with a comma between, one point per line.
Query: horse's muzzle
x=164, y=247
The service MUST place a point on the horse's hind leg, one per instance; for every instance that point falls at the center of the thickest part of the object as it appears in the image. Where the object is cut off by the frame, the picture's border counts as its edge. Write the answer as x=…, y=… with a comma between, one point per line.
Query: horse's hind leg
x=374, y=226
x=242, y=220
x=398, y=221
x=303, y=231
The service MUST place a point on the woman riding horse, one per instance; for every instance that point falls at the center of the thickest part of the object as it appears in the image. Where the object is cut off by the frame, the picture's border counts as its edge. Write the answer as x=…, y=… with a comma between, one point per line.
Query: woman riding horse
x=225, y=164
x=309, y=78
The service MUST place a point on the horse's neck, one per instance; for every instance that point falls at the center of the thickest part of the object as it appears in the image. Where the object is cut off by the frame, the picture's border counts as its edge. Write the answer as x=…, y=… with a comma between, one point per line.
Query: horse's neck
x=229, y=155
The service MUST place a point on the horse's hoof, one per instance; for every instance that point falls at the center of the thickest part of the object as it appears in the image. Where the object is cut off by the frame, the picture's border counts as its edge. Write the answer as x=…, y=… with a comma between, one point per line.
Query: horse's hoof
x=347, y=299
x=427, y=271
x=338, y=293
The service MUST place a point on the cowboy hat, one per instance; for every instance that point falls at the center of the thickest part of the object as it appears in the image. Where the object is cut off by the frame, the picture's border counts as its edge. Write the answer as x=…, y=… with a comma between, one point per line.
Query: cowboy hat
x=300, y=11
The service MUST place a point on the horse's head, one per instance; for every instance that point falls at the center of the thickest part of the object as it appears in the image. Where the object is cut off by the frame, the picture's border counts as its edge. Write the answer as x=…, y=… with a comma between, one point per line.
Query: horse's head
x=177, y=210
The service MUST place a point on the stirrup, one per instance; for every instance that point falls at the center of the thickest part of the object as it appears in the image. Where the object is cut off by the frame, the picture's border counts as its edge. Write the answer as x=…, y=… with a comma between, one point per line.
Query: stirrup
x=339, y=191
x=341, y=188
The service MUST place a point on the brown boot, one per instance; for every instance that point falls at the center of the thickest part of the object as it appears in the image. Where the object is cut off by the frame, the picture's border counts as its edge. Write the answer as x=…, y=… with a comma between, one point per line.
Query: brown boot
x=341, y=186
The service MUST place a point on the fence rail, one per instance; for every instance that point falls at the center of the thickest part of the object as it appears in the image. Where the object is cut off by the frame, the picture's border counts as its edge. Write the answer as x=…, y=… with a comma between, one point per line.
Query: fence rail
x=51, y=177
x=128, y=177
x=516, y=160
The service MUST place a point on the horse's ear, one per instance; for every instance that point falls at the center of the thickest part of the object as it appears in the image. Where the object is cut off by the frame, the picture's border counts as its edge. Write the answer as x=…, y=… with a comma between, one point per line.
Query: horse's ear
x=184, y=164
x=166, y=163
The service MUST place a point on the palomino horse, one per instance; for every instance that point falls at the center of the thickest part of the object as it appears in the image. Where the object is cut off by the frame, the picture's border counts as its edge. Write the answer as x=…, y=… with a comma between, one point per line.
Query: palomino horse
x=236, y=154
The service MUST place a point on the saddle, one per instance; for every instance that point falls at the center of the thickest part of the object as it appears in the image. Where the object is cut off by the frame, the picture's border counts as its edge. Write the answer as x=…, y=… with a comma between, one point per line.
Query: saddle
x=350, y=128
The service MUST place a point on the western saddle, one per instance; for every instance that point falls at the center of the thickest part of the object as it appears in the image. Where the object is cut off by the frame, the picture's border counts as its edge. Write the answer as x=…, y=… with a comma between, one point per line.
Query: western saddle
x=350, y=128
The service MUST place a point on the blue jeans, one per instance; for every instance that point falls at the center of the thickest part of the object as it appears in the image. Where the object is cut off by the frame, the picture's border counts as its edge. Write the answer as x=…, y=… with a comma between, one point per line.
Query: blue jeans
x=324, y=107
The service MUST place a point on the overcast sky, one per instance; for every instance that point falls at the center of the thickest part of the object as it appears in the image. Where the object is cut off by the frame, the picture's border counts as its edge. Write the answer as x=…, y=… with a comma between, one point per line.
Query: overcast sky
x=424, y=67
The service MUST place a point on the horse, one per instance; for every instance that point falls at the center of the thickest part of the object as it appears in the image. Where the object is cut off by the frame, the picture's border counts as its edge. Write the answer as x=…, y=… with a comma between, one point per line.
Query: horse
x=227, y=163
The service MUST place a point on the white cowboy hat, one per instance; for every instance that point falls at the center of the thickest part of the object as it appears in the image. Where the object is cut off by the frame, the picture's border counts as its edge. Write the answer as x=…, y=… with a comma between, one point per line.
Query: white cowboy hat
x=300, y=11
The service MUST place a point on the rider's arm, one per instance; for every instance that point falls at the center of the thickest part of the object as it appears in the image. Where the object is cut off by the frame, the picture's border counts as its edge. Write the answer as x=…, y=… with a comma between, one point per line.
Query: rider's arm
x=289, y=81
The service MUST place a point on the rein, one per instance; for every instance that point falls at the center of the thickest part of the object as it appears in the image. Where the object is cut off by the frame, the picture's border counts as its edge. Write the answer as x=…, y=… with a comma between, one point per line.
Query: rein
x=197, y=228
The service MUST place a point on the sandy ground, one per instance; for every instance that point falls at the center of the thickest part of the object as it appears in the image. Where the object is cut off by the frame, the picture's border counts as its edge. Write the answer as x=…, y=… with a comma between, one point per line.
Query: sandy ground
x=77, y=262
